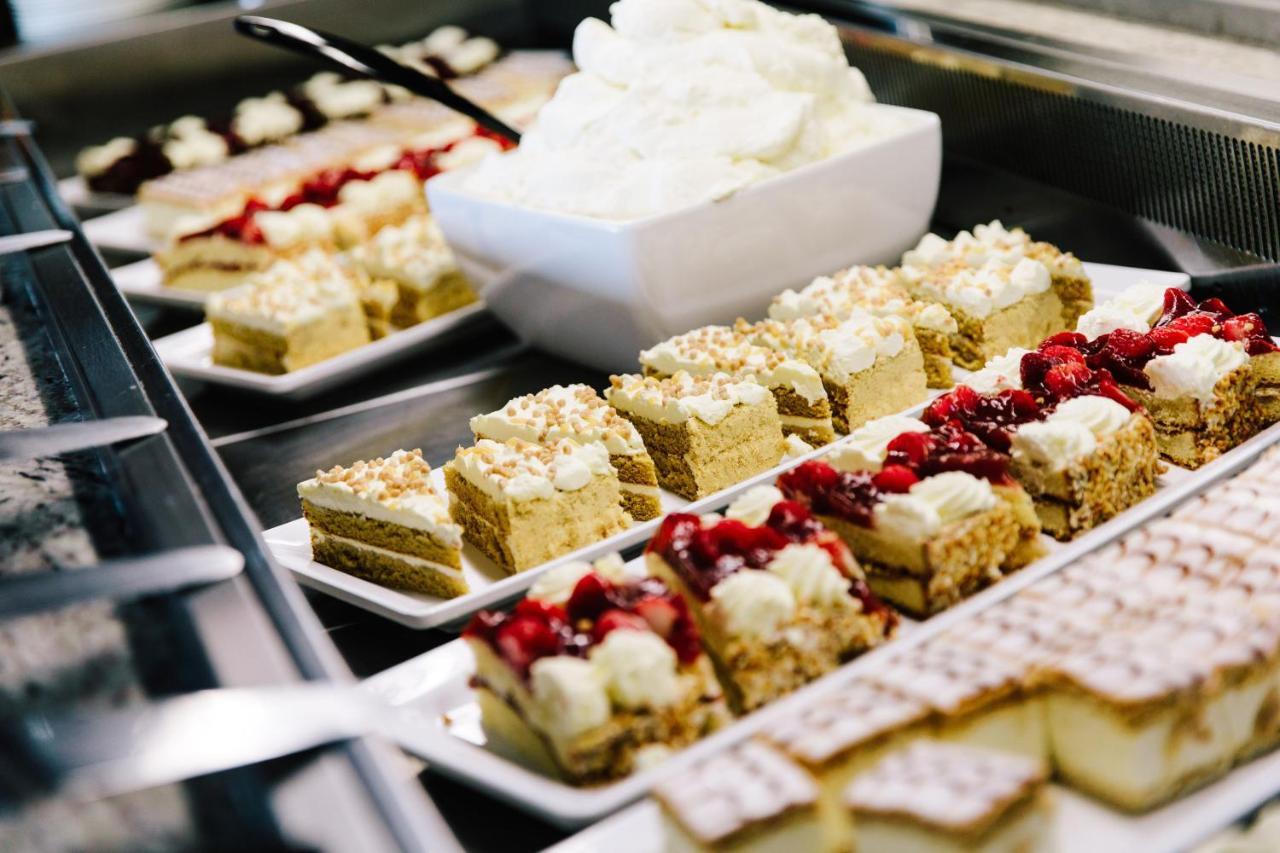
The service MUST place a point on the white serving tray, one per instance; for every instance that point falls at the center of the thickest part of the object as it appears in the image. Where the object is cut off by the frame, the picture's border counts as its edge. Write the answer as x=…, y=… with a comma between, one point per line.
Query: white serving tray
x=76, y=192
x=143, y=281
x=435, y=686
x=121, y=230
x=290, y=542
x=1080, y=825
x=189, y=354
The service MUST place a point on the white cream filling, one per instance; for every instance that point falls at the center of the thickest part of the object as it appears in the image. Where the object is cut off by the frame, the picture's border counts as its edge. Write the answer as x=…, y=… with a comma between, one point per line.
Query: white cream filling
x=387, y=552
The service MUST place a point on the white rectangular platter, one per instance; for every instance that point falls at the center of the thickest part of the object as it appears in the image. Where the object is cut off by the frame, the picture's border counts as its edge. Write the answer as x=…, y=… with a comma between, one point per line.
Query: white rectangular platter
x=121, y=230
x=189, y=354
x=434, y=687
x=76, y=192
x=489, y=587
x=1080, y=825
x=143, y=281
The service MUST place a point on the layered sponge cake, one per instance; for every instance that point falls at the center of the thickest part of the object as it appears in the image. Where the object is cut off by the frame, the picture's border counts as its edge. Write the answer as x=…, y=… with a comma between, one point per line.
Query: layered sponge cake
x=870, y=366
x=523, y=504
x=290, y=316
x=705, y=433
x=803, y=405
x=778, y=599
x=577, y=412
x=596, y=683
x=385, y=522
x=882, y=292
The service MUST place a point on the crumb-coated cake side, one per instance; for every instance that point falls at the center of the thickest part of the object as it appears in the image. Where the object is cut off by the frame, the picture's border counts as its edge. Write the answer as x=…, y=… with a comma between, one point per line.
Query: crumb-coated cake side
x=870, y=366
x=803, y=406
x=745, y=799
x=578, y=413
x=291, y=315
x=944, y=797
x=384, y=521
x=778, y=598
x=594, y=675
x=705, y=433
x=522, y=504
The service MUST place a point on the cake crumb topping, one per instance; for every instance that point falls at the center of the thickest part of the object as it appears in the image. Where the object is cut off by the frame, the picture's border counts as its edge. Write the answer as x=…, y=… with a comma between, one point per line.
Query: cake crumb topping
x=574, y=411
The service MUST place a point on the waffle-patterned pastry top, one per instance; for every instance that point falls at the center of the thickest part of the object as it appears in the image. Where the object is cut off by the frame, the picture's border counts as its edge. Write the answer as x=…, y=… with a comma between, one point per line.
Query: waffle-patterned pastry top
x=735, y=790
x=948, y=786
x=855, y=715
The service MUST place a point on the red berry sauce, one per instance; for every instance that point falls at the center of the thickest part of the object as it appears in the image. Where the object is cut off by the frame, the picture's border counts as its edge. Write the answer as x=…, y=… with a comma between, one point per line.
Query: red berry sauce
x=537, y=629
x=703, y=556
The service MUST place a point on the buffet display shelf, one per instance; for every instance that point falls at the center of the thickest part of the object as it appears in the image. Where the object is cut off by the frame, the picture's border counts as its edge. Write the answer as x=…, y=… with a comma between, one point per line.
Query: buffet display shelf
x=90, y=362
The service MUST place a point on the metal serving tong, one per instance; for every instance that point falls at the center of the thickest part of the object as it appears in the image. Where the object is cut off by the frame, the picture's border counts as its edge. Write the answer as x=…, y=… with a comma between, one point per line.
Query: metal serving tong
x=365, y=61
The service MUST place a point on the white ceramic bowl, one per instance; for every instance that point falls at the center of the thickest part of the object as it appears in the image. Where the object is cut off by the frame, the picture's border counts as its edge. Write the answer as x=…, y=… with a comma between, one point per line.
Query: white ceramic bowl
x=598, y=292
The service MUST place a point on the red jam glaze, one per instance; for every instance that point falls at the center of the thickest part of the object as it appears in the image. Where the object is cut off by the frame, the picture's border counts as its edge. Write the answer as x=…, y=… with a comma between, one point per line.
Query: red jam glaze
x=323, y=189
x=1124, y=353
x=912, y=456
x=537, y=629
x=703, y=556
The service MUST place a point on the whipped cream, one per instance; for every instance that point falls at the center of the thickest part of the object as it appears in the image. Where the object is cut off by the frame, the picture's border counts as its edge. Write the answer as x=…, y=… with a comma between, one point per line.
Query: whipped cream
x=720, y=349
x=288, y=294
x=1055, y=444
x=981, y=291
x=681, y=396
x=686, y=101
x=639, y=669
x=574, y=411
x=1001, y=373
x=520, y=471
x=990, y=242
x=796, y=446
x=97, y=159
x=1136, y=309
x=933, y=503
x=752, y=603
x=413, y=253
x=813, y=578
x=555, y=585
x=570, y=695
x=302, y=224
x=866, y=447
x=1194, y=367
x=754, y=505
x=336, y=98
x=266, y=119
x=193, y=144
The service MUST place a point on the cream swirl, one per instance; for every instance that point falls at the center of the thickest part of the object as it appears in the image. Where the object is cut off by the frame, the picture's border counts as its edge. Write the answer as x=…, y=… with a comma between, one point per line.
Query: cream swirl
x=754, y=505
x=866, y=446
x=639, y=669
x=1135, y=309
x=1102, y=415
x=1195, y=367
x=933, y=503
x=1000, y=373
x=570, y=695
x=1056, y=443
x=809, y=572
x=752, y=603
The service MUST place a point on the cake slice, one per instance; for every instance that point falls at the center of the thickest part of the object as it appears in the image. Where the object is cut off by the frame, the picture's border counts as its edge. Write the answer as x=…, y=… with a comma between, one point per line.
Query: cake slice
x=1079, y=446
x=803, y=405
x=383, y=521
x=291, y=315
x=778, y=599
x=1209, y=377
x=992, y=241
x=414, y=257
x=843, y=734
x=746, y=799
x=936, y=797
x=593, y=686
x=578, y=413
x=879, y=291
x=870, y=366
x=932, y=514
x=523, y=504
x=705, y=433
x=996, y=306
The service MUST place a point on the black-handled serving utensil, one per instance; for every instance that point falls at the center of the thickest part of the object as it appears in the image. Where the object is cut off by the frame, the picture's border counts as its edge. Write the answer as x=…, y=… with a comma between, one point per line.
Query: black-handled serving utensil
x=367, y=62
